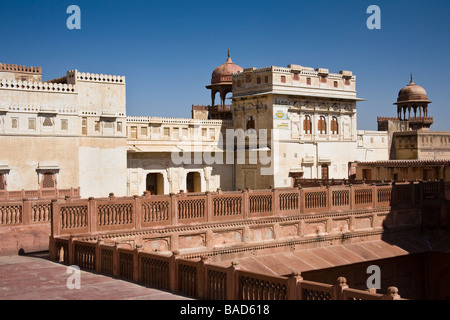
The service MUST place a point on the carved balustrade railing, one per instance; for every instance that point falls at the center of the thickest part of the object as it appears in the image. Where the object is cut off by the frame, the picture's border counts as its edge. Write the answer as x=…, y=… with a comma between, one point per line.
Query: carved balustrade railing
x=201, y=279
x=86, y=216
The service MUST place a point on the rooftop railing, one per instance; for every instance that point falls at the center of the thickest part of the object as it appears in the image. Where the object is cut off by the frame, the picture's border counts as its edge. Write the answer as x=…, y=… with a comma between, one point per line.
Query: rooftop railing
x=142, y=212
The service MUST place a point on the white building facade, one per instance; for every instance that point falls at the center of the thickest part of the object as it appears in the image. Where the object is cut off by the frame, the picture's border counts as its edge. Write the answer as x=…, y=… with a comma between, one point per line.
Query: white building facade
x=73, y=132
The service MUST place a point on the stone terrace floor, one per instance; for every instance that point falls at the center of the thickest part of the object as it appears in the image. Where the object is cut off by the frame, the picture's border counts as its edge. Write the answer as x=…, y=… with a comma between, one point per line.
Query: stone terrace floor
x=37, y=278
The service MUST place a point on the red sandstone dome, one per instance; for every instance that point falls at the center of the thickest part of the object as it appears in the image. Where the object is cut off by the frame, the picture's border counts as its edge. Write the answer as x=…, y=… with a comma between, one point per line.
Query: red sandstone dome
x=412, y=93
x=224, y=72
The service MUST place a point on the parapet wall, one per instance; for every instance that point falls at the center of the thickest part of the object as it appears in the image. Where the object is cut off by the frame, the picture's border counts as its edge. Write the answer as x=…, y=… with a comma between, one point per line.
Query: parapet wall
x=20, y=69
x=203, y=280
x=74, y=75
x=198, y=221
x=37, y=86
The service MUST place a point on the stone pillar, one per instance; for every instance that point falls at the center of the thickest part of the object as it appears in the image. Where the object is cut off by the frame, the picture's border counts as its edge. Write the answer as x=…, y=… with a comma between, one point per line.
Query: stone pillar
x=245, y=204
x=233, y=281
x=392, y=294
x=209, y=207
x=173, y=265
x=55, y=218
x=92, y=215
x=137, y=214
x=201, y=277
x=26, y=212
x=98, y=256
x=293, y=287
x=339, y=287
x=174, y=209
x=116, y=260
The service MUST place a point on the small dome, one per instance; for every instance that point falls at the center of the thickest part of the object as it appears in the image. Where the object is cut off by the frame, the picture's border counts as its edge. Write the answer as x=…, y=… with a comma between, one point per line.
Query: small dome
x=224, y=72
x=412, y=93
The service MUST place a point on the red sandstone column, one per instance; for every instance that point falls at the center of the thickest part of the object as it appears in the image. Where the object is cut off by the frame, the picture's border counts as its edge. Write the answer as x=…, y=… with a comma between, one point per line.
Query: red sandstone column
x=276, y=201
x=392, y=294
x=174, y=208
x=293, y=285
x=339, y=287
x=92, y=215
x=201, y=277
x=137, y=212
x=71, y=249
x=136, y=272
x=233, y=281
x=55, y=218
x=116, y=260
x=302, y=200
x=173, y=266
x=329, y=198
x=245, y=204
x=52, y=249
x=98, y=256
x=374, y=196
x=26, y=212
x=209, y=207
x=352, y=197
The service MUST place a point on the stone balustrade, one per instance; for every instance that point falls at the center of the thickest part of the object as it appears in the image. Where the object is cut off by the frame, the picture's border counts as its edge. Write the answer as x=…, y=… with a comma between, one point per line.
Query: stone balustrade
x=199, y=278
x=17, y=68
x=176, y=242
x=138, y=213
x=25, y=219
x=52, y=193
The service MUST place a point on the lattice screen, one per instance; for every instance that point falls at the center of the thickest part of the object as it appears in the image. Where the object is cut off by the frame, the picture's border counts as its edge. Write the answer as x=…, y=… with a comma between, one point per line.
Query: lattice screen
x=48, y=181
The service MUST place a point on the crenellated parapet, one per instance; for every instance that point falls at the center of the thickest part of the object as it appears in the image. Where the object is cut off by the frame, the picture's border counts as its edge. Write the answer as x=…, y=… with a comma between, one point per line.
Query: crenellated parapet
x=37, y=86
x=20, y=69
x=74, y=76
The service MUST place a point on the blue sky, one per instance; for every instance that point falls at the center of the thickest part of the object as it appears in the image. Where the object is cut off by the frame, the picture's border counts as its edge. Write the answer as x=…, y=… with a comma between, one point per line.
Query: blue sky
x=168, y=49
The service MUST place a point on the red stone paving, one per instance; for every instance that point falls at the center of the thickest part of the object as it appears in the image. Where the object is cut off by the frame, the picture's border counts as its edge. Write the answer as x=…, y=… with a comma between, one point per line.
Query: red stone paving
x=37, y=278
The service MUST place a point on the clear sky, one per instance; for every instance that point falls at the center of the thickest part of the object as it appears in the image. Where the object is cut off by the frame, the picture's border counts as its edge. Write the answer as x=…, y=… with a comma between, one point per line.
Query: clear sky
x=168, y=49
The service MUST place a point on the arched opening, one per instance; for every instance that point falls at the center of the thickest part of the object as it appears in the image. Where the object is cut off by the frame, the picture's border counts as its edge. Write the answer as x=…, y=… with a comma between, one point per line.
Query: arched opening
x=334, y=126
x=193, y=182
x=325, y=175
x=307, y=125
x=155, y=183
x=322, y=125
x=48, y=181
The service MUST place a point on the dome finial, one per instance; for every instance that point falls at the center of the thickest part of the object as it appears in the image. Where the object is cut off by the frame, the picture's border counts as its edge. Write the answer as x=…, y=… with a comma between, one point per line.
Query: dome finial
x=228, y=52
x=412, y=82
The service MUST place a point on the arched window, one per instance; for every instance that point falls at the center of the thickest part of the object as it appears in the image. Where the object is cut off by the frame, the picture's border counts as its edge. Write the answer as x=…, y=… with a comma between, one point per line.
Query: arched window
x=48, y=181
x=334, y=126
x=322, y=125
x=2, y=182
x=250, y=123
x=307, y=125
x=258, y=80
